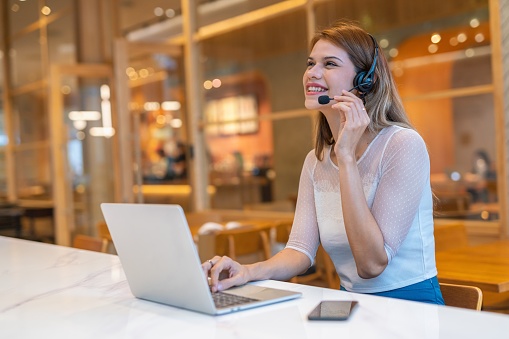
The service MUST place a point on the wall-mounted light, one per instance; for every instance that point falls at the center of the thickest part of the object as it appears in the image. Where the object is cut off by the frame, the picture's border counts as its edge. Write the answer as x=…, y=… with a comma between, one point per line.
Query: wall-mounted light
x=170, y=105
x=106, y=130
x=79, y=118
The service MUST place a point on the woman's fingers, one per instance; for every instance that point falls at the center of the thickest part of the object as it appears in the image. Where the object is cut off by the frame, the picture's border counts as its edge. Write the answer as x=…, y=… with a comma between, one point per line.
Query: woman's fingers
x=352, y=109
x=224, y=274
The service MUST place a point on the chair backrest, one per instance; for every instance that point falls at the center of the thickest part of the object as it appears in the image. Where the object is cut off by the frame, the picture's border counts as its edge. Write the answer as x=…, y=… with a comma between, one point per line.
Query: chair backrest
x=324, y=267
x=274, y=206
x=247, y=243
x=283, y=229
x=450, y=235
x=454, y=201
x=86, y=242
x=463, y=296
x=103, y=231
x=196, y=219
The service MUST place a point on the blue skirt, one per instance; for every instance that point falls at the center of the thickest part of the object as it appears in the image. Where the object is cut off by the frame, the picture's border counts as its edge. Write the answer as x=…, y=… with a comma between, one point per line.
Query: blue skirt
x=427, y=291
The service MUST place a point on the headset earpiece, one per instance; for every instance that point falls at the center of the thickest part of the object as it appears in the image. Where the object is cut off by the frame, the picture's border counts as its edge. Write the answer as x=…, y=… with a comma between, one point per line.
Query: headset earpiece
x=363, y=83
x=363, y=80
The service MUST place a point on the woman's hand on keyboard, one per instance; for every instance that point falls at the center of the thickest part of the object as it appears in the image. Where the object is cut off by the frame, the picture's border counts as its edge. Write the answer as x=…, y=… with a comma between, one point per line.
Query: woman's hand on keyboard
x=224, y=273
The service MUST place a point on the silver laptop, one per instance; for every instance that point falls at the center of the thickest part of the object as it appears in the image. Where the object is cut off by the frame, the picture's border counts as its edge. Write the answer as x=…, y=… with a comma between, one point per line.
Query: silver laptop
x=161, y=262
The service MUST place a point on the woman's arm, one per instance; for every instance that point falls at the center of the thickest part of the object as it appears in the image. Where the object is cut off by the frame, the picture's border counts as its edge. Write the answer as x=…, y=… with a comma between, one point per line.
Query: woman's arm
x=225, y=272
x=376, y=234
x=364, y=234
x=296, y=258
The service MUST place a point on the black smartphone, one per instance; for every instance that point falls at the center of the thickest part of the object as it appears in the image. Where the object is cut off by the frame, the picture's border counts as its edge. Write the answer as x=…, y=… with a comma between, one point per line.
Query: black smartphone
x=332, y=310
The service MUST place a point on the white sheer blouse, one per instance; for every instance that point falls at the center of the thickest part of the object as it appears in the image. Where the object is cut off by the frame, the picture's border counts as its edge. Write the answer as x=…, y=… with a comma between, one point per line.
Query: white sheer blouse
x=395, y=174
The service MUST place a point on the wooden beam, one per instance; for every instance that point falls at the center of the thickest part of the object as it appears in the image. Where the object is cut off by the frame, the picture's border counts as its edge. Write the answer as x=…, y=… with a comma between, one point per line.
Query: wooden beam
x=499, y=64
x=248, y=19
x=10, y=171
x=123, y=123
x=199, y=164
x=451, y=93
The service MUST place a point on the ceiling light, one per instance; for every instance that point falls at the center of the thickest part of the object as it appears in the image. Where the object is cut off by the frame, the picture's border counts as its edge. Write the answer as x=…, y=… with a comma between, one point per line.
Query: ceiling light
x=143, y=73
x=158, y=11
x=151, y=106
x=66, y=89
x=384, y=43
x=46, y=10
x=170, y=106
x=79, y=124
x=176, y=123
x=432, y=48
x=479, y=37
x=170, y=13
x=207, y=84
x=216, y=83
x=84, y=115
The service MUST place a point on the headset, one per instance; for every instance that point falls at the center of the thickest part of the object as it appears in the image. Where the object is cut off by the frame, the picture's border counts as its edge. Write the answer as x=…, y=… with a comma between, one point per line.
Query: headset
x=364, y=81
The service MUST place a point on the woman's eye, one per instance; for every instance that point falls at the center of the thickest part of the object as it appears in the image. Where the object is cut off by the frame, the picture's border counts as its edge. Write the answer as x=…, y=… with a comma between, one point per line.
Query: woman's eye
x=310, y=64
x=330, y=63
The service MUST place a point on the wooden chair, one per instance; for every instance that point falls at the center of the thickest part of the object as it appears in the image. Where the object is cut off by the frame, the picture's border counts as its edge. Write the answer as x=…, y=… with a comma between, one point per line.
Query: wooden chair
x=86, y=242
x=452, y=201
x=450, y=235
x=196, y=219
x=462, y=296
x=323, y=273
x=104, y=233
x=246, y=244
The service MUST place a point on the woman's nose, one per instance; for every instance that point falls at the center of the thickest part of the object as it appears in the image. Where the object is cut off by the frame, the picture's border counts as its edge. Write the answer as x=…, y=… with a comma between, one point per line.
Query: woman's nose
x=313, y=73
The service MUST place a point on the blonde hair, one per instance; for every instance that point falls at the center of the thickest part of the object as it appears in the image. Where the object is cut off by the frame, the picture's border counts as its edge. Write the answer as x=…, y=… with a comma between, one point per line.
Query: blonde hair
x=382, y=102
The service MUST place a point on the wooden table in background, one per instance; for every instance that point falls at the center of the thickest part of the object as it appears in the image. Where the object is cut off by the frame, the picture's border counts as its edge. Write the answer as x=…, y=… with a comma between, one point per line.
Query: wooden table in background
x=485, y=266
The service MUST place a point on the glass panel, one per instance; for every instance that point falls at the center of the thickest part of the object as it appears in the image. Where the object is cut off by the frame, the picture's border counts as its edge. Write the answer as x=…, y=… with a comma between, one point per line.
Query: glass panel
x=462, y=149
x=22, y=14
x=25, y=57
x=61, y=41
x=157, y=92
x=33, y=175
x=462, y=58
x=256, y=162
x=31, y=121
x=87, y=117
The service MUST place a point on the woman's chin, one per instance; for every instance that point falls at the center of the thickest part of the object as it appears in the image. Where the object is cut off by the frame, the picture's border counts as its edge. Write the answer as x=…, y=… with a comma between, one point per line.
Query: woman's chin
x=312, y=104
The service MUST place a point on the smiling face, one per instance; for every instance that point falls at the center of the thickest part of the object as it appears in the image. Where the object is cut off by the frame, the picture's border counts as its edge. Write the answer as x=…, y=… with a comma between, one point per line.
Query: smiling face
x=329, y=71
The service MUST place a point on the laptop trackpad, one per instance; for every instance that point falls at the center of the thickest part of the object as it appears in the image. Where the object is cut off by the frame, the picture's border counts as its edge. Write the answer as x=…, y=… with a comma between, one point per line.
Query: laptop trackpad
x=259, y=292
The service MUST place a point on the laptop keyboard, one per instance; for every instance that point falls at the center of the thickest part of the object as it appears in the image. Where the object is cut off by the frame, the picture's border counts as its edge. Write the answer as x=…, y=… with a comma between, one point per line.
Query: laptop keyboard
x=224, y=299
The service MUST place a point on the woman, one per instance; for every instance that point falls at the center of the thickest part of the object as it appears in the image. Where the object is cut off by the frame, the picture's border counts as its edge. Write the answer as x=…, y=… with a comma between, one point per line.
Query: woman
x=364, y=191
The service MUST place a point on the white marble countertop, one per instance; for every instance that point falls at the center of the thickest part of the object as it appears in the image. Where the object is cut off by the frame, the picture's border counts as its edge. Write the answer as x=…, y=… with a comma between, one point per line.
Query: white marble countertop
x=49, y=291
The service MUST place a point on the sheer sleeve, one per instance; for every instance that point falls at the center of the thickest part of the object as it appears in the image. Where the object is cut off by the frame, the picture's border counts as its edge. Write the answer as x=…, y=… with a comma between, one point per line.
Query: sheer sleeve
x=405, y=171
x=304, y=236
